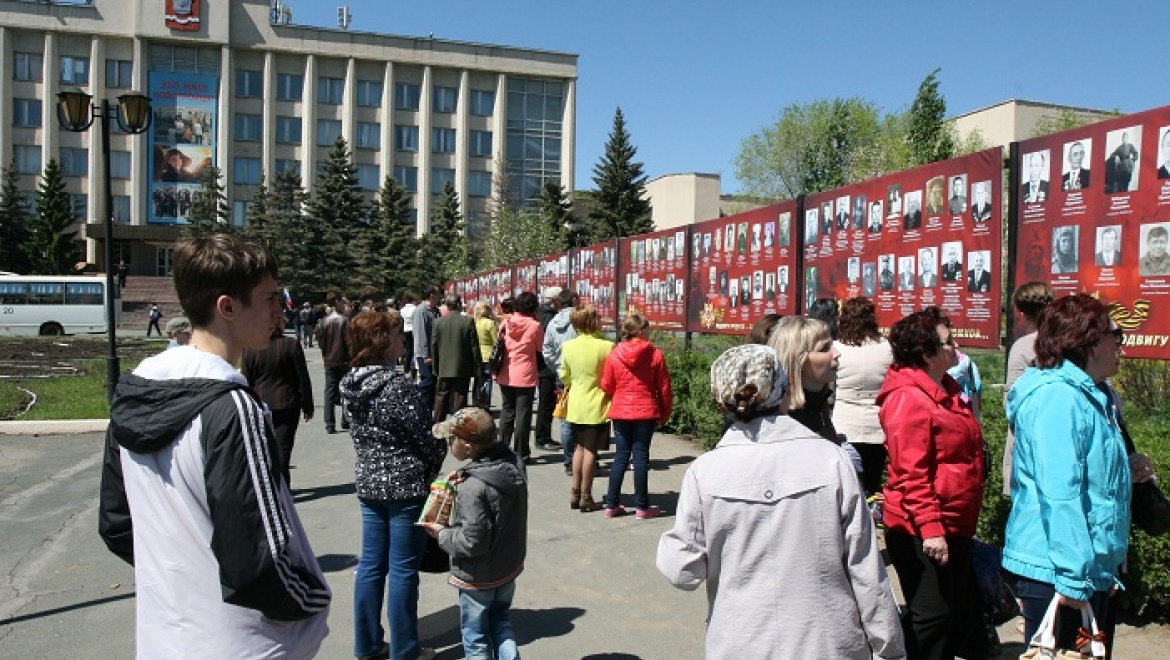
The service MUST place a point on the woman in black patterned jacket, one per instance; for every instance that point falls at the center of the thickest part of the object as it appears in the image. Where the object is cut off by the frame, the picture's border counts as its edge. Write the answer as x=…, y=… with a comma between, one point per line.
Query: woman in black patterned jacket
x=397, y=457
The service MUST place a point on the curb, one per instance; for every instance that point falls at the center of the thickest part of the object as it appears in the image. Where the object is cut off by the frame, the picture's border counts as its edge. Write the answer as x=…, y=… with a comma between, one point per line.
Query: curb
x=54, y=427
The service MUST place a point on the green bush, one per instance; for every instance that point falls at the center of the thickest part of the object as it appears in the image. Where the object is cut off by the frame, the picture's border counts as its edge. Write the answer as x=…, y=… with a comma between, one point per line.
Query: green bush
x=695, y=413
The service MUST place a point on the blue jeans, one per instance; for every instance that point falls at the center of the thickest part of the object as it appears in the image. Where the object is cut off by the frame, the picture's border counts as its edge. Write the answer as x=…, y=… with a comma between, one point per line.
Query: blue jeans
x=392, y=546
x=1035, y=596
x=567, y=442
x=631, y=436
x=483, y=388
x=485, y=623
x=426, y=381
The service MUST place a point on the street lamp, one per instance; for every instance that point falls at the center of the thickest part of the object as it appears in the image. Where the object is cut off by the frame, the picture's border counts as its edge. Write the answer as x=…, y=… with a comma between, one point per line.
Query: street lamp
x=76, y=112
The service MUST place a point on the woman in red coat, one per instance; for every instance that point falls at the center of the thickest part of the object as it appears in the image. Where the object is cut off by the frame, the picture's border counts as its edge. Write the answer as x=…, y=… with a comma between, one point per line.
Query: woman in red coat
x=636, y=379
x=934, y=490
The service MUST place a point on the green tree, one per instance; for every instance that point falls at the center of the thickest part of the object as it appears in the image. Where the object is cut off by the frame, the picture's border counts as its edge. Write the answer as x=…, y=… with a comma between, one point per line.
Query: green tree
x=557, y=211
x=210, y=213
x=52, y=247
x=443, y=252
x=927, y=131
x=395, y=248
x=517, y=235
x=255, y=227
x=14, y=220
x=1069, y=119
x=811, y=148
x=336, y=214
x=622, y=208
x=288, y=234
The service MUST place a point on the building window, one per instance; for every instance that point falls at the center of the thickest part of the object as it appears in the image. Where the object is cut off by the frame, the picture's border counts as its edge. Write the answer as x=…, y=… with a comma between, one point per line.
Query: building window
x=246, y=170
x=288, y=130
x=30, y=67
x=369, y=93
x=440, y=176
x=239, y=213
x=412, y=219
x=289, y=86
x=446, y=98
x=28, y=159
x=481, y=143
x=288, y=165
x=119, y=164
x=74, y=162
x=442, y=140
x=533, y=143
x=328, y=130
x=482, y=103
x=479, y=184
x=79, y=203
x=26, y=113
x=329, y=90
x=249, y=84
x=369, y=135
x=367, y=176
x=122, y=208
x=406, y=138
x=406, y=96
x=407, y=177
x=184, y=59
x=119, y=74
x=74, y=70
x=248, y=127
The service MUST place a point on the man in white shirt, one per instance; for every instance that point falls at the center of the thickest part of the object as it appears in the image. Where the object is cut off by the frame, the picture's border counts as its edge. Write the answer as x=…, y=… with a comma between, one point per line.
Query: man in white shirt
x=407, y=312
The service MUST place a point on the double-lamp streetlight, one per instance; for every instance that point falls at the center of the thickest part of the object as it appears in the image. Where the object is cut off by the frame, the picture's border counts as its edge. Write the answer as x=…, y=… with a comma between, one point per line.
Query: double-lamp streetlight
x=76, y=112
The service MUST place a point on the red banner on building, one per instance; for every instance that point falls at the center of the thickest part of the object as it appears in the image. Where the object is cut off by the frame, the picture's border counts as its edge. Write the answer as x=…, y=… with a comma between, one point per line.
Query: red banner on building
x=926, y=236
x=1094, y=216
x=594, y=279
x=655, y=272
x=743, y=267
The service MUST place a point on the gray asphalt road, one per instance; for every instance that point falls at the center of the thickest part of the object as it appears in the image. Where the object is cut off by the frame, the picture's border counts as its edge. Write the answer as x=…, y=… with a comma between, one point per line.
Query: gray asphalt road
x=590, y=589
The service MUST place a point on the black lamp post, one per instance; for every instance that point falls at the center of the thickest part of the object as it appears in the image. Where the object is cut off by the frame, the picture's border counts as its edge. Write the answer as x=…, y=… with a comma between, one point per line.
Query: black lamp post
x=76, y=112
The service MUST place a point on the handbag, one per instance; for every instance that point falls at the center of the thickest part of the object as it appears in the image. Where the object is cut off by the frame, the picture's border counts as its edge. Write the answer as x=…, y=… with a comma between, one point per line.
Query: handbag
x=561, y=409
x=1043, y=643
x=499, y=353
x=1150, y=509
x=434, y=559
x=999, y=601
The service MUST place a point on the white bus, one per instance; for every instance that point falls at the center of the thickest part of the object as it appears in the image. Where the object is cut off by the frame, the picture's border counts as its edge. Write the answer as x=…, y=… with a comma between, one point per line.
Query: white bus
x=54, y=305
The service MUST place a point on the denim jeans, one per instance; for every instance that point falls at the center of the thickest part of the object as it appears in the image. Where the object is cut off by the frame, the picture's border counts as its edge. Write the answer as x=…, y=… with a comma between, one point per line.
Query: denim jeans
x=483, y=386
x=485, y=623
x=516, y=419
x=631, y=436
x=392, y=547
x=1035, y=598
x=426, y=381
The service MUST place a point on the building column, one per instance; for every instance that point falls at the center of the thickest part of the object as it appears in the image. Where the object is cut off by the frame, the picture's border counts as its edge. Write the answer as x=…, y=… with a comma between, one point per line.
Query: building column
x=7, y=61
x=569, y=138
x=348, y=103
x=49, y=88
x=500, y=136
x=386, y=121
x=424, y=197
x=140, y=144
x=223, y=127
x=95, y=189
x=309, y=126
x=462, y=142
x=268, y=119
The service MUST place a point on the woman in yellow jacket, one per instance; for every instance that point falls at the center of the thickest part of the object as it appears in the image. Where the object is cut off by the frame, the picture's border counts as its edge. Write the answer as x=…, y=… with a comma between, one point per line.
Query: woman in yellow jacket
x=582, y=363
x=487, y=332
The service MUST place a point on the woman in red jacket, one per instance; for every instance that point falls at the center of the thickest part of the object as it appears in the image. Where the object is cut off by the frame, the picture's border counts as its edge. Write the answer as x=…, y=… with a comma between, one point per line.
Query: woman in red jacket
x=636, y=379
x=934, y=490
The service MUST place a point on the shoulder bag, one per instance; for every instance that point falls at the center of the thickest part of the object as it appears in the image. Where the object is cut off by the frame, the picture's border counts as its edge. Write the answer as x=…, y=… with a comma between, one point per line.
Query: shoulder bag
x=499, y=352
x=1149, y=508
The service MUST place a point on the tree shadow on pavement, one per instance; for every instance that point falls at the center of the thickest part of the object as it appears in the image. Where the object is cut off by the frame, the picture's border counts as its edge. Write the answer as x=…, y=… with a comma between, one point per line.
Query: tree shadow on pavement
x=612, y=656
x=335, y=563
x=301, y=495
x=441, y=629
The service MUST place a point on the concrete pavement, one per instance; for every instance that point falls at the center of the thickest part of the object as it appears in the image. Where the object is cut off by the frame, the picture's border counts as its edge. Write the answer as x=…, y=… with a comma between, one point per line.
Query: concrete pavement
x=590, y=589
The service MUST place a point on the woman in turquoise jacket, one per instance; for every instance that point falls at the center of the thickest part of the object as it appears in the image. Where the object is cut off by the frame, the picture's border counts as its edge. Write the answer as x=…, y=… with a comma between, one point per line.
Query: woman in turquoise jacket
x=1069, y=527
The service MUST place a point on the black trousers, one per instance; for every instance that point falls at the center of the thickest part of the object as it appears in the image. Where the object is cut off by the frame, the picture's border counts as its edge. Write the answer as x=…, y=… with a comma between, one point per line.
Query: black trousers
x=450, y=397
x=546, y=386
x=944, y=615
x=873, y=464
x=333, y=376
x=284, y=424
x=516, y=419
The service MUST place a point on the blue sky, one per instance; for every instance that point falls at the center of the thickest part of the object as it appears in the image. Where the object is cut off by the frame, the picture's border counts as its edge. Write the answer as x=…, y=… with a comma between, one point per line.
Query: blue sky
x=694, y=79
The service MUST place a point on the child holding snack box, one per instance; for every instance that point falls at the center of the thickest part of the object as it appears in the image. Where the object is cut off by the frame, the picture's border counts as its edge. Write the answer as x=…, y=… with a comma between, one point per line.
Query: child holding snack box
x=487, y=533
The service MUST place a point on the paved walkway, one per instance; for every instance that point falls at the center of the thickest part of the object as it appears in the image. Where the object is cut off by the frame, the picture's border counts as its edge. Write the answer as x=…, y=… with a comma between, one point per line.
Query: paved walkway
x=590, y=589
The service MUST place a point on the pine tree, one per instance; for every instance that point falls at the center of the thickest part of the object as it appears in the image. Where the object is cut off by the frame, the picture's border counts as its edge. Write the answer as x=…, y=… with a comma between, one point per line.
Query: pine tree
x=14, y=220
x=395, y=248
x=443, y=253
x=210, y=213
x=336, y=213
x=255, y=227
x=928, y=133
x=622, y=209
x=53, y=249
x=288, y=234
x=557, y=211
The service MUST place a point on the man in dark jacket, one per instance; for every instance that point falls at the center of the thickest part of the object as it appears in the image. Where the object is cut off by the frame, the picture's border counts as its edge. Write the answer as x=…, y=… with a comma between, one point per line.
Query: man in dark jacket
x=280, y=377
x=423, y=322
x=455, y=358
x=335, y=354
x=546, y=377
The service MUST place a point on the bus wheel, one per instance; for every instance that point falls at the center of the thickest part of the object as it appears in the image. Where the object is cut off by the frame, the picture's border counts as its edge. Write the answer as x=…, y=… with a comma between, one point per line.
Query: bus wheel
x=52, y=330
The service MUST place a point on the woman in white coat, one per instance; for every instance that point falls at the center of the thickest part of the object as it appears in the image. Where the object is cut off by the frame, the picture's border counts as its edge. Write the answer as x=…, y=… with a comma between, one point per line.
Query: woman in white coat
x=775, y=521
x=865, y=358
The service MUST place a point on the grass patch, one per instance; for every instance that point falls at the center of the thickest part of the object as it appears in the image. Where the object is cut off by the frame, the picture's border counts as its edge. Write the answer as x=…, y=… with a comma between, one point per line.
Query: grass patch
x=11, y=399
x=82, y=396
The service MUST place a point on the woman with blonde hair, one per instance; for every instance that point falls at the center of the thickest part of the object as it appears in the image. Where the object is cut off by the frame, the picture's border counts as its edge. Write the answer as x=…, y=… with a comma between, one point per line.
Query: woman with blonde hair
x=637, y=381
x=487, y=332
x=582, y=363
x=806, y=351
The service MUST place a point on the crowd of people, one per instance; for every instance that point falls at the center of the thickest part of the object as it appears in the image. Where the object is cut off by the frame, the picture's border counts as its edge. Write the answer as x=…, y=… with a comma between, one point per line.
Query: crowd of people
x=834, y=430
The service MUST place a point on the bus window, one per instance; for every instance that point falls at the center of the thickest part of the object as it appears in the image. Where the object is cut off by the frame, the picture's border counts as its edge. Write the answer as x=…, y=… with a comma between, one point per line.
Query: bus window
x=13, y=293
x=83, y=293
x=46, y=293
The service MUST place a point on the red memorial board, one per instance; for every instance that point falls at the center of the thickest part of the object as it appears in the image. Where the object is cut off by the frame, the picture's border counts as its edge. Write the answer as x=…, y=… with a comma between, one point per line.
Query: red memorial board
x=524, y=277
x=594, y=276
x=742, y=267
x=551, y=271
x=495, y=285
x=655, y=272
x=926, y=236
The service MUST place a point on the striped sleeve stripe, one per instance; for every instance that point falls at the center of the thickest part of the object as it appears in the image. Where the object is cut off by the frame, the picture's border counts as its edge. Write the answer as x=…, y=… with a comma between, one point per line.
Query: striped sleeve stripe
x=275, y=525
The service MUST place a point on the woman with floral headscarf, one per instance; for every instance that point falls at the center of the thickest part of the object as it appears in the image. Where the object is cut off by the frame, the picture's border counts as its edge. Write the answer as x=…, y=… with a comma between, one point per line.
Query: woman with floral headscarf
x=746, y=515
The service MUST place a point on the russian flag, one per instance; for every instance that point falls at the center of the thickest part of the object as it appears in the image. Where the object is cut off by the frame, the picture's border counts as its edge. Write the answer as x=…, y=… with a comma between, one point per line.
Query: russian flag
x=287, y=300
